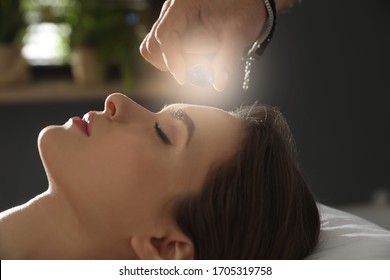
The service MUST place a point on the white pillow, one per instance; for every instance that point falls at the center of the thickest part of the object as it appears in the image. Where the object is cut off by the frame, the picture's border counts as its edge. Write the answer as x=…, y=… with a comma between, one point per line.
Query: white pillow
x=346, y=236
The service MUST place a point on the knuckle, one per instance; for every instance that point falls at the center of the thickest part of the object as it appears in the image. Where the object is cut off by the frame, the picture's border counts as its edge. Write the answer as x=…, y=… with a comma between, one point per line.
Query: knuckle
x=143, y=50
x=152, y=45
x=160, y=32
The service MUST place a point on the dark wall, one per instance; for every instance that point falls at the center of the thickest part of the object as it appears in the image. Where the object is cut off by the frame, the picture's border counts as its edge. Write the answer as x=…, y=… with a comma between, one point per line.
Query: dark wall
x=328, y=70
x=21, y=172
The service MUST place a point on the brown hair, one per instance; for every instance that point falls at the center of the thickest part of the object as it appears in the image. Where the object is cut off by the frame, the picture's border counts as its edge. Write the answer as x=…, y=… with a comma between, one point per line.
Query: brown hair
x=255, y=205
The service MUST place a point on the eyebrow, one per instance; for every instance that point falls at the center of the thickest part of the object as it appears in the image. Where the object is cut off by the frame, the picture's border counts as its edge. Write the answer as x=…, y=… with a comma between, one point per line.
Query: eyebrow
x=179, y=114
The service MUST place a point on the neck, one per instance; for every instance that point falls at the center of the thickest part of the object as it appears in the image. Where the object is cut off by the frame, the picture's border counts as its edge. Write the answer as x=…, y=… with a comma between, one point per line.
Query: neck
x=47, y=228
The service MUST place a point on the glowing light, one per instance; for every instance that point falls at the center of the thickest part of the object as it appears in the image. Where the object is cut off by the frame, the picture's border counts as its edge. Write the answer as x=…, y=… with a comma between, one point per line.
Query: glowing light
x=200, y=75
x=45, y=44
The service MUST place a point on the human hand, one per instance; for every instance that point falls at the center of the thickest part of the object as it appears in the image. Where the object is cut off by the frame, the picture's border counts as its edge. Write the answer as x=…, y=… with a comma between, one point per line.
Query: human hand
x=212, y=33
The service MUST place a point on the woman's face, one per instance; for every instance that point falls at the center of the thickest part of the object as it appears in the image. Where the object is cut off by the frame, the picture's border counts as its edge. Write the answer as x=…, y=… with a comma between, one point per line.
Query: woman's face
x=122, y=169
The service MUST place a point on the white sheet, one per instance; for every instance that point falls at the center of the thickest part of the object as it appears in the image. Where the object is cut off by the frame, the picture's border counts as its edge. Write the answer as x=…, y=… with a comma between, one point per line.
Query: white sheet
x=346, y=236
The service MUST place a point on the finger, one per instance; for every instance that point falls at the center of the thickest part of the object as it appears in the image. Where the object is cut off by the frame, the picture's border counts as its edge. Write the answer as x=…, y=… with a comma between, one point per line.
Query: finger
x=227, y=60
x=151, y=52
x=174, y=58
x=150, y=48
x=168, y=34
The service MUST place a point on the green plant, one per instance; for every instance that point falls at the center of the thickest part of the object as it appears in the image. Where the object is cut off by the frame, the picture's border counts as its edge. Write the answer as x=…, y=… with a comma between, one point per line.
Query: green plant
x=11, y=21
x=45, y=10
x=103, y=25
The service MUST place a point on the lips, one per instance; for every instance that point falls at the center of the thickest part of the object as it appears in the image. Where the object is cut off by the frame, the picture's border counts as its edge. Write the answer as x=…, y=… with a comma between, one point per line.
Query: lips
x=87, y=119
x=84, y=124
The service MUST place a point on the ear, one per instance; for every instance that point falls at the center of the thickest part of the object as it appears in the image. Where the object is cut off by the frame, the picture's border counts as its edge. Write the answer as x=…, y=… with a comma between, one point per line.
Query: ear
x=175, y=247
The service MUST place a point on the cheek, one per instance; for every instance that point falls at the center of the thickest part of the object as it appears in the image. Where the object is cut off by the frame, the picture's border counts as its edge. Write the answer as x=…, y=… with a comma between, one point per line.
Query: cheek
x=128, y=184
x=52, y=141
x=74, y=158
x=113, y=178
x=116, y=166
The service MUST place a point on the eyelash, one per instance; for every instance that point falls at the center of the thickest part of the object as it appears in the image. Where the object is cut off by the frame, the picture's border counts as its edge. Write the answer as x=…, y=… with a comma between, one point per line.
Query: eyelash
x=161, y=134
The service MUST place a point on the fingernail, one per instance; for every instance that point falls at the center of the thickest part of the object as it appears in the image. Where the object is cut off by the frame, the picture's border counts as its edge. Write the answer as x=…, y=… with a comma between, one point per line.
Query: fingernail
x=221, y=81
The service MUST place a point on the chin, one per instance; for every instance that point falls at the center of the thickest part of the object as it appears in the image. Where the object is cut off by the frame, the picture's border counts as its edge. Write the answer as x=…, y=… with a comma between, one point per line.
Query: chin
x=45, y=138
x=50, y=146
x=61, y=155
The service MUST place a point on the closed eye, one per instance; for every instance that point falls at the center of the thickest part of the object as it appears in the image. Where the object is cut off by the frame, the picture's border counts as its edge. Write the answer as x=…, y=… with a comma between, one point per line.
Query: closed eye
x=161, y=134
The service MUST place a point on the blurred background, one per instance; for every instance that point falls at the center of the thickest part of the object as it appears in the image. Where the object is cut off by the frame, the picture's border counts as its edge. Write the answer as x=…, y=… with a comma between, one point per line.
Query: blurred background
x=327, y=69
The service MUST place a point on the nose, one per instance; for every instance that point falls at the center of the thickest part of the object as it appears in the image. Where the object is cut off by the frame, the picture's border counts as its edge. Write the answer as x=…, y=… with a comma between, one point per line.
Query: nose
x=120, y=108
